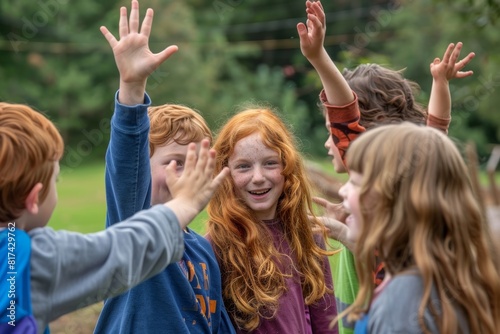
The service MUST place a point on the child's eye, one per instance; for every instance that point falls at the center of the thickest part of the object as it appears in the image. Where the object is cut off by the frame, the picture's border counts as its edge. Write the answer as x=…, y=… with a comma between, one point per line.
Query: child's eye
x=272, y=163
x=179, y=163
x=353, y=183
x=242, y=166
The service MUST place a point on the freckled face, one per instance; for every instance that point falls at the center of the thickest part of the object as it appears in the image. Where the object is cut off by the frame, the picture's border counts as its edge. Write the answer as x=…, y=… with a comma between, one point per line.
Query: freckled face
x=333, y=151
x=256, y=171
x=159, y=160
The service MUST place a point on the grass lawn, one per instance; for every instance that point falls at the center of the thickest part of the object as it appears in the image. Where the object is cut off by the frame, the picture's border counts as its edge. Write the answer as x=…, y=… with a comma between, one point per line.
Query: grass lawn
x=82, y=204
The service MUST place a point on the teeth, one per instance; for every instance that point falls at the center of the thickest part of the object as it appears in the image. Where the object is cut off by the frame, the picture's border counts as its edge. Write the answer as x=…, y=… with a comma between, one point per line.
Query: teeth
x=259, y=192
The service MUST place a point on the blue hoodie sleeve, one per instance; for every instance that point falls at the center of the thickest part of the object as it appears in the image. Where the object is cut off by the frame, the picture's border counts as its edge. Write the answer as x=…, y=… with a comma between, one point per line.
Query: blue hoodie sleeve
x=128, y=172
x=226, y=325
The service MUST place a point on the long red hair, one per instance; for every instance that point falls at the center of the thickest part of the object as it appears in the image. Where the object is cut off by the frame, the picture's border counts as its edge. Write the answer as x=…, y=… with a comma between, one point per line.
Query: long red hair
x=252, y=282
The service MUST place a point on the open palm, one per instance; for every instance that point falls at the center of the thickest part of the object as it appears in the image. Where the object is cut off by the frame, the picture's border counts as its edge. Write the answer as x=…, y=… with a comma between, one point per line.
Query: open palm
x=134, y=59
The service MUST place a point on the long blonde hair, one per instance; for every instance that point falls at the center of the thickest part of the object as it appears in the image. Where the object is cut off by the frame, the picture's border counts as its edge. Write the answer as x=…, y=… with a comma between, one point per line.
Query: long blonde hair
x=419, y=211
x=251, y=279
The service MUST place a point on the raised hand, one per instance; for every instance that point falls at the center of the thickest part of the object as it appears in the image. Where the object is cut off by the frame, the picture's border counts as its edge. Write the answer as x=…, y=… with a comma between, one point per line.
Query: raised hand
x=312, y=36
x=134, y=59
x=449, y=68
x=192, y=190
x=442, y=72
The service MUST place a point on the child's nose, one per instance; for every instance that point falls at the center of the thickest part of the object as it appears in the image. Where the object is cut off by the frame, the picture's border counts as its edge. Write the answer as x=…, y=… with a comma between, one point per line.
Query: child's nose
x=257, y=176
x=327, y=143
x=343, y=191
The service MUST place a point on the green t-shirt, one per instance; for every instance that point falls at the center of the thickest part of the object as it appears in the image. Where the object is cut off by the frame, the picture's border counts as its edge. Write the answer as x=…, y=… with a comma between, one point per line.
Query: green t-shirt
x=345, y=282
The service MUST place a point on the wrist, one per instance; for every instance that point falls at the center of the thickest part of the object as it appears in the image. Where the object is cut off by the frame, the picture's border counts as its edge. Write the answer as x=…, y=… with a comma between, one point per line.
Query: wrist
x=319, y=58
x=132, y=93
x=440, y=81
x=184, y=211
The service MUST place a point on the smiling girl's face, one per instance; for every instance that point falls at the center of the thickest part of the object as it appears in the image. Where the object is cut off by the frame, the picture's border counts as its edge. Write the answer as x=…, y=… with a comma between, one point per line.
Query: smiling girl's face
x=257, y=175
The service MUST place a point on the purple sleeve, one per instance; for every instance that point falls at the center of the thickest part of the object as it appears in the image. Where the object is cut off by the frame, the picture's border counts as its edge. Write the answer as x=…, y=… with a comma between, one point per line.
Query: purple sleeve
x=324, y=310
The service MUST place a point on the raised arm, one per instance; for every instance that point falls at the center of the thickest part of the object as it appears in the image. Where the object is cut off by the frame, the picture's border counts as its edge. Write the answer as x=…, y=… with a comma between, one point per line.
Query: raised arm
x=312, y=39
x=442, y=72
x=340, y=103
x=128, y=171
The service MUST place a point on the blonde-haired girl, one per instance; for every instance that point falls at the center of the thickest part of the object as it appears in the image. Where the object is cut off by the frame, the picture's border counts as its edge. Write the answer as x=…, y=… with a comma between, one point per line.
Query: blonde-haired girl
x=411, y=201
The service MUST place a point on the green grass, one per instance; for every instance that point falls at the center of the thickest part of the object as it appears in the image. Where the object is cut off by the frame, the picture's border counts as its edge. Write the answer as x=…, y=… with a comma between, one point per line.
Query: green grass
x=82, y=202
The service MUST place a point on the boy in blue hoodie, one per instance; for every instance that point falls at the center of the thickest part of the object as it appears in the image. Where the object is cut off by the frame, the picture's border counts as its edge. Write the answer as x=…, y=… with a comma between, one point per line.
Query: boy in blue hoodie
x=45, y=273
x=186, y=297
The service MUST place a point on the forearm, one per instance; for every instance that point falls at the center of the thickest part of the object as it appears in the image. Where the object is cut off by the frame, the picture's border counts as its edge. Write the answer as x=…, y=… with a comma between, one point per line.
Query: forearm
x=128, y=173
x=71, y=270
x=440, y=100
x=336, y=88
x=344, y=122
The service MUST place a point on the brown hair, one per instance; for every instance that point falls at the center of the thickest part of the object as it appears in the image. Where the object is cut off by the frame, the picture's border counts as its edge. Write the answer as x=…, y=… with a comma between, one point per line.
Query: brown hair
x=384, y=95
x=29, y=146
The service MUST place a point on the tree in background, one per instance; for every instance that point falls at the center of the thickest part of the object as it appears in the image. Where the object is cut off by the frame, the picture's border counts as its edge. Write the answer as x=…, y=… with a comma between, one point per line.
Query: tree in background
x=53, y=57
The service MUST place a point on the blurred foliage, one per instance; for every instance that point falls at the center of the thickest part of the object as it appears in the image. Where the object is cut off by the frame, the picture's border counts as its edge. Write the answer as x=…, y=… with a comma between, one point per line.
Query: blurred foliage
x=239, y=52
x=482, y=13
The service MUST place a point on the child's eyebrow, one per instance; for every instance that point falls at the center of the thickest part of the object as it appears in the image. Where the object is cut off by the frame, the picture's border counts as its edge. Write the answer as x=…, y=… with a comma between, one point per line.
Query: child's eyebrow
x=238, y=160
x=173, y=156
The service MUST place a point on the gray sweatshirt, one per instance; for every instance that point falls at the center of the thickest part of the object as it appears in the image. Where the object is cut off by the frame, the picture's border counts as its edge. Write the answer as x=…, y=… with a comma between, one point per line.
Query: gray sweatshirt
x=395, y=310
x=71, y=270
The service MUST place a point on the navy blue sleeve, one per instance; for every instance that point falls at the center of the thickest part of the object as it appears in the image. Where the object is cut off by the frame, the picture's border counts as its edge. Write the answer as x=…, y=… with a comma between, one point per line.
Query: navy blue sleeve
x=128, y=172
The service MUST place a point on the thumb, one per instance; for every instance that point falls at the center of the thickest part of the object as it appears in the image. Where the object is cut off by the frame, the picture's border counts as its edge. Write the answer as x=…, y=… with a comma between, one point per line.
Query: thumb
x=165, y=54
x=301, y=29
x=217, y=181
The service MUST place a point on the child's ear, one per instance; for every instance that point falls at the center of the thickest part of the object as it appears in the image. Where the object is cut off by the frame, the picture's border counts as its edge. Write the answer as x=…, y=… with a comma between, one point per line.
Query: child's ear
x=31, y=202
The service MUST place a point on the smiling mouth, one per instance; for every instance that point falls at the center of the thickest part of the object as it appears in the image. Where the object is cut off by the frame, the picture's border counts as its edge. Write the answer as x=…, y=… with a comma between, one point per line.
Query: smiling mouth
x=260, y=192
